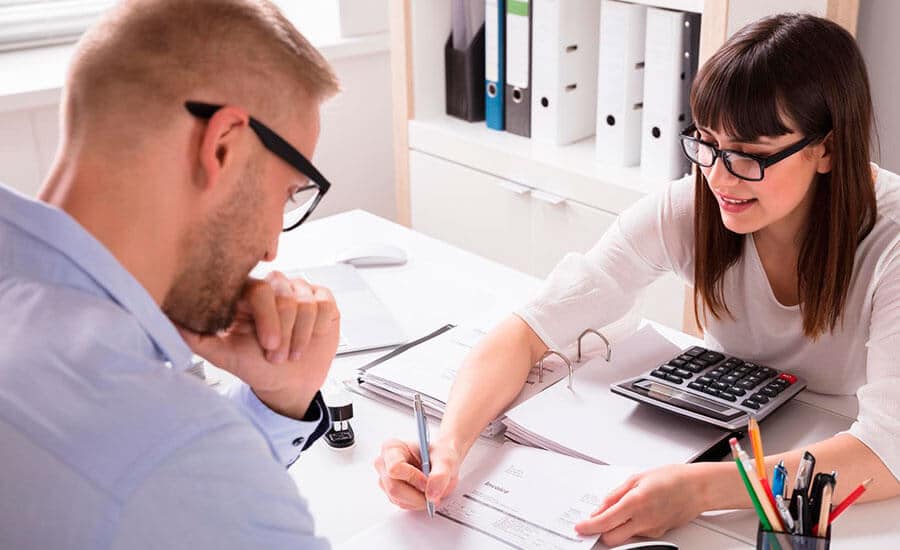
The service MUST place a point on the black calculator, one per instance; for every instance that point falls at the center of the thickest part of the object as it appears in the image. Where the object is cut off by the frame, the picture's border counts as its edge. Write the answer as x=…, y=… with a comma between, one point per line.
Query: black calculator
x=713, y=387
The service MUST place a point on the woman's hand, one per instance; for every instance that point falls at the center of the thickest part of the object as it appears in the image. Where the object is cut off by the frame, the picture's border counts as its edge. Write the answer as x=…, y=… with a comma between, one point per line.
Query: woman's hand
x=647, y=504
x=401, y=478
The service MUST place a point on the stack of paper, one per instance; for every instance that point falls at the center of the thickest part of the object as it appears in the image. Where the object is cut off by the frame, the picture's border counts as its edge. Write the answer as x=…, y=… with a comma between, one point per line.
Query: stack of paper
x=516, y=498
x=590, y=422
x=429, y=368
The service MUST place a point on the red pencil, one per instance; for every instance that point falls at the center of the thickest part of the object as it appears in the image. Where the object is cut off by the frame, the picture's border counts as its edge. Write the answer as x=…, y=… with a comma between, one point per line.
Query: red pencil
x=851, y=498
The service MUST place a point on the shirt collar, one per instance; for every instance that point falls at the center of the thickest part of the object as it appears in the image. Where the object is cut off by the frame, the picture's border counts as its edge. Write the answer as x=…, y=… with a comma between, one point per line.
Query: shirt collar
x=61, y=232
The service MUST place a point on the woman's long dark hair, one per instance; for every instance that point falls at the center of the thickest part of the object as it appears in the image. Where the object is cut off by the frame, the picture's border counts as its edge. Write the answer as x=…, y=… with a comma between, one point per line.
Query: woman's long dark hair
x=810, y=71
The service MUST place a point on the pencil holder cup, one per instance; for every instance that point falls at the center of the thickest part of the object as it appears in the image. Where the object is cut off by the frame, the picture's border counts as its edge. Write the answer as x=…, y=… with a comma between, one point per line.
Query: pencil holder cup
x=771, y=540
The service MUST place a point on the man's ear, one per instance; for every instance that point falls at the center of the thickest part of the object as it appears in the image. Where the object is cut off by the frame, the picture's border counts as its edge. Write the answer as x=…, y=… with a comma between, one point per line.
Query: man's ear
x=823, y=154
x=219, y=141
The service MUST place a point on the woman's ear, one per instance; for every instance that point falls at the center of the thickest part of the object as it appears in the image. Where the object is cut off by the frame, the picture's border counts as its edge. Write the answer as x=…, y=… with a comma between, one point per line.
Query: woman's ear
x=218, y=143
x=823, y=154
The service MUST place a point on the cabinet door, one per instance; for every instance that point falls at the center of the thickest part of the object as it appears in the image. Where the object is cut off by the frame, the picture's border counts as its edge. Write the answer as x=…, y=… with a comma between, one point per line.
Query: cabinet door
x=561, y=226
x=470, y=209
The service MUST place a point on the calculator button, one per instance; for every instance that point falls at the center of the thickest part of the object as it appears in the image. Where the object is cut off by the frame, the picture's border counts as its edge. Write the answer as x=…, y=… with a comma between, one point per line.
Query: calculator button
x=761, y=399
x=730, y=379
x=658, y=374
x=753, y=380
x=696, y=386
x=712, y=357
x=720, y=385
x=701, y=362
x=685, y=357
x=737, y=391
x=695, y=351
x=683, y=373
x=727, y=396
x=677, y=362
x=705, y=380
x=750, y=404
x=766, y=372
x=747, y=384
x=693, y=367
x=732, y=362
x=768, y=392
x=715, y=373
x=667, y=368
x=711, y=391
x=789, y=378
x=674, y=379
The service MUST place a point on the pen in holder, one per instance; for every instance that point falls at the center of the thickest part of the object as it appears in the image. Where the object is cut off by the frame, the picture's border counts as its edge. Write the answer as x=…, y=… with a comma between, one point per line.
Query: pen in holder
x=771, y=540
x=553, y=352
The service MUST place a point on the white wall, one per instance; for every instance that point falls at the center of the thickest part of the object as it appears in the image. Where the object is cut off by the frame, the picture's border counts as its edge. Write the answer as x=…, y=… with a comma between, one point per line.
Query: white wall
x=879, y=40
x=354, y=150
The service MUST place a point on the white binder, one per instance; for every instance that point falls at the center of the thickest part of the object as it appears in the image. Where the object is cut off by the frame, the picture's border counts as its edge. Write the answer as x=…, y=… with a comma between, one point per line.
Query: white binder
x=564, y=69
x=672, y=43
x=620, y=83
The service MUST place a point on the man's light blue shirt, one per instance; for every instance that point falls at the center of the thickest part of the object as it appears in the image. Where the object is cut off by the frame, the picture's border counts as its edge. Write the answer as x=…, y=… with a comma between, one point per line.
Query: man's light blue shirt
x=105, y=440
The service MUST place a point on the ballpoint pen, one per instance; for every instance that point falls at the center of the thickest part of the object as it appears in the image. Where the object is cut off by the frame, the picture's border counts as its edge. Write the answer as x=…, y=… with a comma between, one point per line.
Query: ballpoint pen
x=816, y=490
x=801, y=504
x=779, y=478
x=423, y=445
x=801, y=486
x=786, y=518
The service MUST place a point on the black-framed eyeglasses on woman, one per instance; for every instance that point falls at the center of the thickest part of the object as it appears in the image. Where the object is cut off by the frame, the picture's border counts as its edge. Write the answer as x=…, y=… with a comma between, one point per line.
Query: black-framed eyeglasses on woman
x=304, y=200
x=742, y=165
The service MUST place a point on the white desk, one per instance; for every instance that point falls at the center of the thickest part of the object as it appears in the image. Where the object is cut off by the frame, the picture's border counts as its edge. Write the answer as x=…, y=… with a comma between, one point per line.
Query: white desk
x=442, y=284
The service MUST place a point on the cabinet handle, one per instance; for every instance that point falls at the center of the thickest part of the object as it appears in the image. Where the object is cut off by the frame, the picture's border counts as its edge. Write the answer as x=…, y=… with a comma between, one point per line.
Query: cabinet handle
x=549, y=198
x=516, y=188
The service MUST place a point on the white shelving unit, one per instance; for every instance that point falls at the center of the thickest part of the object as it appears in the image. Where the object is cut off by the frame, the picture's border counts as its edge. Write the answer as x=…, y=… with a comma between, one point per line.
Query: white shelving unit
x=509, y=198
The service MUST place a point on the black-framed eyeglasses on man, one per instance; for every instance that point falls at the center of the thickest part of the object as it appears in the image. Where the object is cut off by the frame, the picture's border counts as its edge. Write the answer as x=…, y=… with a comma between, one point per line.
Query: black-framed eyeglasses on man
x=304, y=200
x=742, y=165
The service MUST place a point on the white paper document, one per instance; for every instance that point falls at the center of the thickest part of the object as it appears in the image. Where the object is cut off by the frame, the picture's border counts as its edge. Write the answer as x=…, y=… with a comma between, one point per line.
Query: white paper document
x=519, y=497
x=590, y=422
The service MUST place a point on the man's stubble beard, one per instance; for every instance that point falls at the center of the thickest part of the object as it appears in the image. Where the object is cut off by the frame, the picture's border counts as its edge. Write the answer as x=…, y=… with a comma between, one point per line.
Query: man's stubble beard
x=220, y=255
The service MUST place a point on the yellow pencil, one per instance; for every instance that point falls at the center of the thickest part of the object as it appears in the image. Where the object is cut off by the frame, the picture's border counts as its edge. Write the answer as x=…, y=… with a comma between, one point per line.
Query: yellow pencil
x=758, y=455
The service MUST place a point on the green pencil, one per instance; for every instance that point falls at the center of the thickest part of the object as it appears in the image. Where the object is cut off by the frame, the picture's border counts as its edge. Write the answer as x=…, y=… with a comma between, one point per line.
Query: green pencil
x=759, y=511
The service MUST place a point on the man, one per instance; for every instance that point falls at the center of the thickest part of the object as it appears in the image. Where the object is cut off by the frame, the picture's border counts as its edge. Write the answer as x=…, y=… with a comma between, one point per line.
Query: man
x=186, y=126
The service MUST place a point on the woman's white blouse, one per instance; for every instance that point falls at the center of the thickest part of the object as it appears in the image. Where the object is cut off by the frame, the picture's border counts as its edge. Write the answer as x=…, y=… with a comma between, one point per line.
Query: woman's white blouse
x=655, y=236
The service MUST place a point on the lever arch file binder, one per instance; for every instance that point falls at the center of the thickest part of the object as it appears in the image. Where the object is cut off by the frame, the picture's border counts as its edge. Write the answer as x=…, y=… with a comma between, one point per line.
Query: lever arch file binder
x=428, y=366
x=494, y=62
x=672, y=43
x=620, y=83
x=564, y=69
x=517, y=96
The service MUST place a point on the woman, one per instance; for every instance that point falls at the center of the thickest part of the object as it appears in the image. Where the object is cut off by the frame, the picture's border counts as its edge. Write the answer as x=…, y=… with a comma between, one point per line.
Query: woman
x=791, y=240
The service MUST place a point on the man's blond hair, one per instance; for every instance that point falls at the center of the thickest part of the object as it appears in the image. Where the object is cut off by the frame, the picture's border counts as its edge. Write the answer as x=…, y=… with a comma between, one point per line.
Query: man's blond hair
x=147, y=57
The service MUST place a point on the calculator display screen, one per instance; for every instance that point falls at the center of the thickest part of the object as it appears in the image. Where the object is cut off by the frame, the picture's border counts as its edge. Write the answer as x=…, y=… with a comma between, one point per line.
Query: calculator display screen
x=668, y=394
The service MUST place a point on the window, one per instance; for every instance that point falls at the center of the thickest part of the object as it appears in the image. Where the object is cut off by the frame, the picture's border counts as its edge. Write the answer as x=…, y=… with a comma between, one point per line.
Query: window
x=29, y=23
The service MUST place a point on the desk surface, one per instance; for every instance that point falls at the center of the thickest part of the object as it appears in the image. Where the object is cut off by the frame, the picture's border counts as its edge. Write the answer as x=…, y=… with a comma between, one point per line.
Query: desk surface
x=441, y=284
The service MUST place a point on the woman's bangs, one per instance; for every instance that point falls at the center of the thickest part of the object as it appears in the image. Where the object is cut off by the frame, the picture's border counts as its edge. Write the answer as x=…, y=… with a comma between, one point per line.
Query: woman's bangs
x=738, y=96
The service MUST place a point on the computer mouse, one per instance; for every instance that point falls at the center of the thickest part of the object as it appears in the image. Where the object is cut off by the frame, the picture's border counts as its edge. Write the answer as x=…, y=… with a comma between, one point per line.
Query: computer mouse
x=372, y=255
x=648, y=545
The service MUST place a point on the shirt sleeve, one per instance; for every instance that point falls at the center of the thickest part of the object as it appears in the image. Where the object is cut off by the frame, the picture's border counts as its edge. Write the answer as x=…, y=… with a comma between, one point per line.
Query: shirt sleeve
x=878, y=421
x=598, y=288
x=219, y=490
x=287, y=437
